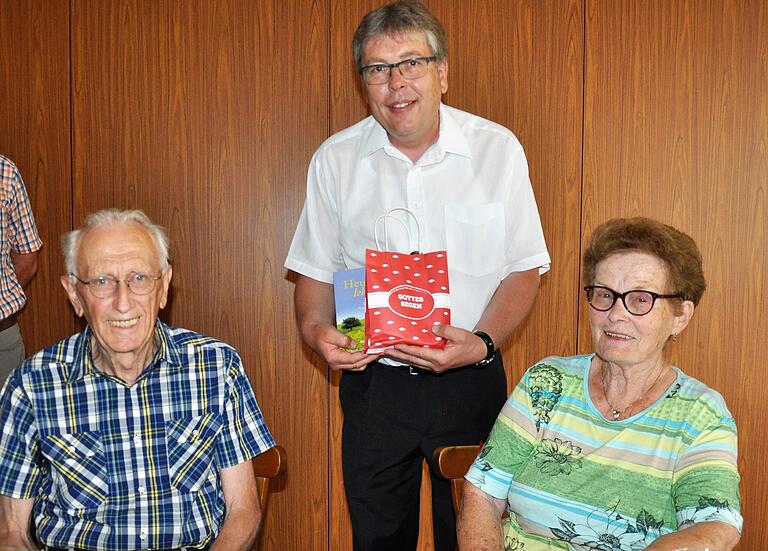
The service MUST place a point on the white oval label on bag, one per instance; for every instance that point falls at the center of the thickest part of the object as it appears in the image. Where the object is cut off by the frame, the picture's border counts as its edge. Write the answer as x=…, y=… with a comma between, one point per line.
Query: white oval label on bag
x=411, y=302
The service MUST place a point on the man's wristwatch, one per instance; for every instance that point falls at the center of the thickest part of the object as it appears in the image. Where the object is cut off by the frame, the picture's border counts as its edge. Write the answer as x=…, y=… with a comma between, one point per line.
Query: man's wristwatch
x=490, y=348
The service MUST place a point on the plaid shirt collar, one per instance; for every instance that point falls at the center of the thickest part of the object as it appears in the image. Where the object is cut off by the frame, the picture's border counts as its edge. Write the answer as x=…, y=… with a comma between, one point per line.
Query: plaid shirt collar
x=167, y=356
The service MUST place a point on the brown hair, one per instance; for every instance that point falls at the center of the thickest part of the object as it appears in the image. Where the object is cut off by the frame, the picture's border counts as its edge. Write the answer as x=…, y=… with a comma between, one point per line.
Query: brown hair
x=673, y=247
x=399, y=18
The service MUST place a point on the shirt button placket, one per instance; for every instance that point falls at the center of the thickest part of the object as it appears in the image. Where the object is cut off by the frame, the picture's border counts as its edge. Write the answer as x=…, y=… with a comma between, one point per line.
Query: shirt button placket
x=414, y=194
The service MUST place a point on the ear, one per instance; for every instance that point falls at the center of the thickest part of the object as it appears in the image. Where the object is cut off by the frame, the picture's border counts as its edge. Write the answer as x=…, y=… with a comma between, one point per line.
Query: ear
x=72, y=294
x=681, y=320
x=442, y=73
x=165, y=282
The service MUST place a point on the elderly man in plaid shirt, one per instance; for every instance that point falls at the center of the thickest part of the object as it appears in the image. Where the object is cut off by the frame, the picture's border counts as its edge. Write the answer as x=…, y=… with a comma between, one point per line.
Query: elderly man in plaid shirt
x=131, y=434
x=19, y=246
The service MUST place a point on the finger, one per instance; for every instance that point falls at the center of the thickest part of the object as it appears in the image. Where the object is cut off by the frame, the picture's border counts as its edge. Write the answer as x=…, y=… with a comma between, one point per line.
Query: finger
x=363, y=358
x=363, y=363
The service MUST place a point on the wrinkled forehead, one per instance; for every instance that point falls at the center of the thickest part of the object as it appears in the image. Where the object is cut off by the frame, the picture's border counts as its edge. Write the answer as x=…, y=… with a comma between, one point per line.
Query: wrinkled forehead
x=414, y=41
x=124, y=245
x=635, y=264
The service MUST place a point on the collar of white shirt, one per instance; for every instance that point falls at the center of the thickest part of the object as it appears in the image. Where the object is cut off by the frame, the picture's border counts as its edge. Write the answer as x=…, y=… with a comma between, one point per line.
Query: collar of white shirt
x=450, y=140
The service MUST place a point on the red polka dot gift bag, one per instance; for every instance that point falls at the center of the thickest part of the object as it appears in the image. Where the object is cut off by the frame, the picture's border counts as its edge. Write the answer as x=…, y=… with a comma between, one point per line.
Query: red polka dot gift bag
x=406, y=294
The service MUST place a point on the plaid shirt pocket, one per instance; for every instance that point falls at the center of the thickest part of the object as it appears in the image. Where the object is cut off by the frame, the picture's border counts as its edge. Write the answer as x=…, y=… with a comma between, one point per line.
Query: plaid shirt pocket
x=78, y=468
x=191, y=443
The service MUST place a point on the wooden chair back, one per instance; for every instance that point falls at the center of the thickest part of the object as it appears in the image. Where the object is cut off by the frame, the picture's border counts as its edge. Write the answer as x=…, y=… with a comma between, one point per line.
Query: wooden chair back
x=453, y=462
x=267, y=466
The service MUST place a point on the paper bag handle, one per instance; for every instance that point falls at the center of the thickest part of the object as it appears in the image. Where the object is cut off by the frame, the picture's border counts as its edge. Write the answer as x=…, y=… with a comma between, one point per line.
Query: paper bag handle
x=386, y=216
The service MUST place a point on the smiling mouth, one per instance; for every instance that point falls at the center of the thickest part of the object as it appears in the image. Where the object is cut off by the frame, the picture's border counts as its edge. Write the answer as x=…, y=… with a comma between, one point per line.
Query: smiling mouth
x=401, y=105
x=124, y=323
x=617, y=336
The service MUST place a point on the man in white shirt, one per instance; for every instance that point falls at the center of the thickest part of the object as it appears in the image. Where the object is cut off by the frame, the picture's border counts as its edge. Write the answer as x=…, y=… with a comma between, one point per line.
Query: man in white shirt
x=466, y=181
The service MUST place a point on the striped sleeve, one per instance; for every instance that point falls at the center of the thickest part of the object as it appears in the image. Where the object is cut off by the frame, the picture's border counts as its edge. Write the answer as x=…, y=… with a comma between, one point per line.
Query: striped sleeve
x=706, y=480
x=22, y=231
x=509, y=444
x=244, y=434
x=19, y=474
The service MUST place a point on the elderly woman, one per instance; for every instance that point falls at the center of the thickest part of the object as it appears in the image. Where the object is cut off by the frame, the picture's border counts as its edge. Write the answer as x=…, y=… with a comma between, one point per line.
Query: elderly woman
x=616, y=450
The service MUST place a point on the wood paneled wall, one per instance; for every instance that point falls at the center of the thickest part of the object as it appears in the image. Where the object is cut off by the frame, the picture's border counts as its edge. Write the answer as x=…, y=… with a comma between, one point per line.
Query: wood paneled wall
x=35, y=134
x=204, y=113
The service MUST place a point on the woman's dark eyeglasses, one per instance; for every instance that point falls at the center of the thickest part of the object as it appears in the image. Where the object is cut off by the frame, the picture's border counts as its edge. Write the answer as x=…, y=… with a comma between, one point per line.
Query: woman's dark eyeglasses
x=638, y=302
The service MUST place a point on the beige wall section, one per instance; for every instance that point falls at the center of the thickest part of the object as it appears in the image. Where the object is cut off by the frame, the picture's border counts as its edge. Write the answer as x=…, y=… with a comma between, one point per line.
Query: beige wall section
x=205, y=114
x=677, y=128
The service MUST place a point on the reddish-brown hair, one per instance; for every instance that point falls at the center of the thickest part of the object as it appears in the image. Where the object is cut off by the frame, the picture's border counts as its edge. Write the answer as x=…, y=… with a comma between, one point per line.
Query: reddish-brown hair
x=673, y=247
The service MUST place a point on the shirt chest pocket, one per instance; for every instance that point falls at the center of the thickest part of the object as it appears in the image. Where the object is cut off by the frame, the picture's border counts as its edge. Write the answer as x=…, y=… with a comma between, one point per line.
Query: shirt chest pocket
x=475, y=237
x=78, y=468
x=191, y=444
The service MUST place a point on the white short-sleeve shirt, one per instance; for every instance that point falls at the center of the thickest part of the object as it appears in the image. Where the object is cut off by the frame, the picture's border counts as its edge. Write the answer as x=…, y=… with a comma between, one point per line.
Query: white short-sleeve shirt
x=470, y=193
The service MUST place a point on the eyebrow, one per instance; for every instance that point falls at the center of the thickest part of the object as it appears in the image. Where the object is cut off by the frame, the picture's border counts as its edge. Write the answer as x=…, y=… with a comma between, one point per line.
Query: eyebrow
x=407, y=55
x=642, y=287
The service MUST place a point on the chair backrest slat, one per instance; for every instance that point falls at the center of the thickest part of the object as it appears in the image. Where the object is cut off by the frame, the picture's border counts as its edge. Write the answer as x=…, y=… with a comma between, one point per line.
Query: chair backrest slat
x=268, y=466
x=452, y=462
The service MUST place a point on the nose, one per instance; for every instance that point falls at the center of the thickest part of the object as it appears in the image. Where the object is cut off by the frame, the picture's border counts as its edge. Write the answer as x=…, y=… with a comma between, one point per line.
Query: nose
x=396, y=80
x=122, y=297
x=618, y=310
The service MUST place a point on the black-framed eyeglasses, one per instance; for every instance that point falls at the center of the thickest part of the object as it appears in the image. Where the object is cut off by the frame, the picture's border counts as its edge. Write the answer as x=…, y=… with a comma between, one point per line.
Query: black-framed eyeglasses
x=412, y=68
x=638, y=302
x=106, y=286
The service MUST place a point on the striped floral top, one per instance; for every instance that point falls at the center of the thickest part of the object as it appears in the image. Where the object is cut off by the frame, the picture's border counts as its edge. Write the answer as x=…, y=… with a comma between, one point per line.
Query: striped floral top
x=574, y=480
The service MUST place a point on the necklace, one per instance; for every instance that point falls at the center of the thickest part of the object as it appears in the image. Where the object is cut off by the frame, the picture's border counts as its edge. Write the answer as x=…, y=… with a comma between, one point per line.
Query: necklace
x=617, y=413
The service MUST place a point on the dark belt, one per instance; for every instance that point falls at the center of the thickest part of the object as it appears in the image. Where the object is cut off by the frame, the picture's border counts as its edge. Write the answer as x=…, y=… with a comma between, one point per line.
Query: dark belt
x=411, y=370
x=10, y=321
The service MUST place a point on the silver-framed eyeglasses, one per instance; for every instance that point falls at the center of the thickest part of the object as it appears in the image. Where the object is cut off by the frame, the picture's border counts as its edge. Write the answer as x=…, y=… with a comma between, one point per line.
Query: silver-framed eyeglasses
x=412, y=68
x=106, y=286
x=638, y=302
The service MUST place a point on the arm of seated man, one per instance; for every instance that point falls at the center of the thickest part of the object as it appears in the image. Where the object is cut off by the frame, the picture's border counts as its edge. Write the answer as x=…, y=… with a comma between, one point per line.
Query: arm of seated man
x=15, y=516
x=243, y=517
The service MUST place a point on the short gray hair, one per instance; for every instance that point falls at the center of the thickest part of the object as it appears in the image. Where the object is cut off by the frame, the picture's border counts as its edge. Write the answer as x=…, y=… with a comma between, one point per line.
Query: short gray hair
x=71, y=241
x=400, y=18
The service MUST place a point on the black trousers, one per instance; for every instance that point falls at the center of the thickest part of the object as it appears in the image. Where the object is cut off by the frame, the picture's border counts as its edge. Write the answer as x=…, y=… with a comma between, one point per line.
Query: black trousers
x=392, y=420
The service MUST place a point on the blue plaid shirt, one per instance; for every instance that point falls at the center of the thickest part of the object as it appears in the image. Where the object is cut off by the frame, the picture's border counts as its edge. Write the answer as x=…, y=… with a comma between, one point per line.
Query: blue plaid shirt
x=118, y=467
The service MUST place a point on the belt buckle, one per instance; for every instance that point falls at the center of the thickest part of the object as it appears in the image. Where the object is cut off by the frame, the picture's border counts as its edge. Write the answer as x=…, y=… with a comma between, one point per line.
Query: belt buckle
x=411, y=370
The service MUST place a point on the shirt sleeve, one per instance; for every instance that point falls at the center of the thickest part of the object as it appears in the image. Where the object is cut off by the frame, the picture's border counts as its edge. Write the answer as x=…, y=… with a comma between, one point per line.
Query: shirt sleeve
x=706, y=485
x=509, y=444
x=22, y=231
x=19, y=473
x=244, y=433
x=525, y=245
x=315, y=250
